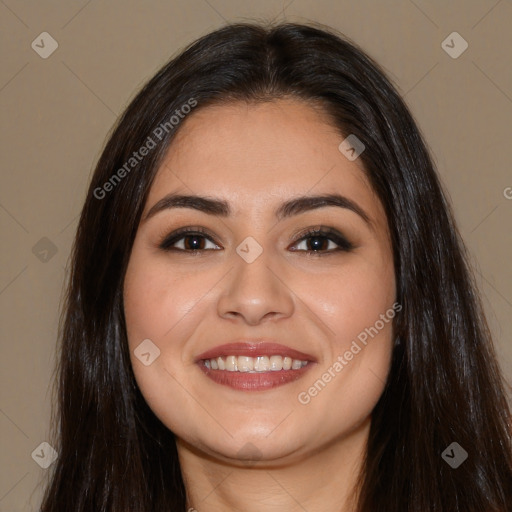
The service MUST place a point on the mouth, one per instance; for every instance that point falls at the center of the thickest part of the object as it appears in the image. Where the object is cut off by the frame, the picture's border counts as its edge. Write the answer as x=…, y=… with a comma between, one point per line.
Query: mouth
x=254, y=366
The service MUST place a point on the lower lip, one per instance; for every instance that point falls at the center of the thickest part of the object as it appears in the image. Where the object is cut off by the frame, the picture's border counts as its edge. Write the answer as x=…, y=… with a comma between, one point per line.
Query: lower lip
x=245, y=381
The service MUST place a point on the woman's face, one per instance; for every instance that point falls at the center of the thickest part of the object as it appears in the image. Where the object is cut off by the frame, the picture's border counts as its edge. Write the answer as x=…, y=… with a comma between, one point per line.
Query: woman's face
x=254, y=279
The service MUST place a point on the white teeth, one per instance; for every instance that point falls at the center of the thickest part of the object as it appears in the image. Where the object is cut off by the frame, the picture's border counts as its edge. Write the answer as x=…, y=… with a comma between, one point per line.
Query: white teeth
x=231, y=364
x=262, y=364
x=296, y=364
x=254, y=364
x=245, y=364
x=276, y=363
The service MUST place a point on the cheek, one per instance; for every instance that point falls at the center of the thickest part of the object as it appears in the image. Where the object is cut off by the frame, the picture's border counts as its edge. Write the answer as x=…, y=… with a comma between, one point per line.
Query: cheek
x=156, y=299
x=352, y=298
x=162, y=306
x=357, y=306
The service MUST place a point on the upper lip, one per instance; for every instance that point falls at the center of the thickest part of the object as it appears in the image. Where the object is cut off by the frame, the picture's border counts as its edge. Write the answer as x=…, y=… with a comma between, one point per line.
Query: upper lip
x=253, y=349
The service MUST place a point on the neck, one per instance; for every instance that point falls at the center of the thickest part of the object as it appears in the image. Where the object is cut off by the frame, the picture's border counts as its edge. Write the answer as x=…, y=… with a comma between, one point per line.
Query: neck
x=325, y=480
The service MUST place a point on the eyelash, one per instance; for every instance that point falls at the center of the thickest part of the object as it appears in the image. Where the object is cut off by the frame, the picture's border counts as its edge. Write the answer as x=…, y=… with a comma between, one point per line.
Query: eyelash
x=317, y=232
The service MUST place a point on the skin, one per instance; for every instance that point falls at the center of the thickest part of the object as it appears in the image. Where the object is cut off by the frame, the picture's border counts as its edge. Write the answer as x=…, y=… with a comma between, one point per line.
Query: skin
x=244, y=450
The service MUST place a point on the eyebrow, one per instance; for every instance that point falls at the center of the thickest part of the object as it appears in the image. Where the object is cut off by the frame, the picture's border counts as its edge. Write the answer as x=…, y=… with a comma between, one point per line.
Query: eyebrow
x=221, y=208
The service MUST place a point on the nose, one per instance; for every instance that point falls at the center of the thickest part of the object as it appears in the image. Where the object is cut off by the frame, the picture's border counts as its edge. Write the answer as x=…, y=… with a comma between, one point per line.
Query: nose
x=256, y=291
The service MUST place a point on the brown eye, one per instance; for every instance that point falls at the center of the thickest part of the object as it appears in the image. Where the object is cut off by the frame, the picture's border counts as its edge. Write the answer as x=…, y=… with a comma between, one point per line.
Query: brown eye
x=317, y=241
x=193, y=240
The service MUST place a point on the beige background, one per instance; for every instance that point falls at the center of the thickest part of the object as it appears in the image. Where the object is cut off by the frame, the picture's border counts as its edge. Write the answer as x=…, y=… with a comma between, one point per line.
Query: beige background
x=56, y=113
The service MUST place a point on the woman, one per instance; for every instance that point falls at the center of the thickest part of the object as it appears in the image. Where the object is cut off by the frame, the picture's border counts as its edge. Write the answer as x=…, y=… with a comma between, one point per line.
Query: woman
x=269, y=304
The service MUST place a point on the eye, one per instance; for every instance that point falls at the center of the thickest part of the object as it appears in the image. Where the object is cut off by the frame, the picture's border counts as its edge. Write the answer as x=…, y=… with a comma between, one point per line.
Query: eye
x=192, y=240
x=317, y=238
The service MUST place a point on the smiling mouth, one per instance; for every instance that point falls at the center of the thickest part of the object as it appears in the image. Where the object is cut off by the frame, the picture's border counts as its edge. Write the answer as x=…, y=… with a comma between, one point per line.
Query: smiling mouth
x=260, y=373
x=254, y=365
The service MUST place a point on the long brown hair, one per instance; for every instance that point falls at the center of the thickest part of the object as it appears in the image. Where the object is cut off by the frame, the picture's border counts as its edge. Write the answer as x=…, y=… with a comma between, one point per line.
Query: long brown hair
x=445, y=384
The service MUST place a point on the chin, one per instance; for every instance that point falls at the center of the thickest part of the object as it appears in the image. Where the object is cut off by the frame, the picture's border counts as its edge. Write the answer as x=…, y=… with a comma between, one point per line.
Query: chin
x=256, y=446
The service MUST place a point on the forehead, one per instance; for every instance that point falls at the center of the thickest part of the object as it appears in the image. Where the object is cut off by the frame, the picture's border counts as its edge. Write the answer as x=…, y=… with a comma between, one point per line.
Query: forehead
x=260, y=154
